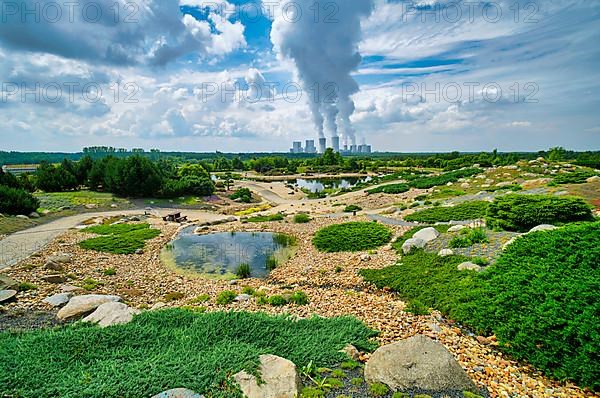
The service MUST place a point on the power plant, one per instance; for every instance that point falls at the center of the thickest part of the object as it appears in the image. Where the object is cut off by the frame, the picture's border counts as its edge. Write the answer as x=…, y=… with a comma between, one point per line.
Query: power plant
x=335, y=144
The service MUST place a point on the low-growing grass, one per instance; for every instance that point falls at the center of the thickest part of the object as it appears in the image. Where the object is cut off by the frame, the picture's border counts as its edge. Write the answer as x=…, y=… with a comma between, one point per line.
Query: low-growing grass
x=390, y=189
x=540, y=298
x=301, y=218
x=352, y=236
x=119, y=238
x=471, y=210
x=573, y=177
x=160, y=350
x=468, y=237
x=269, y=218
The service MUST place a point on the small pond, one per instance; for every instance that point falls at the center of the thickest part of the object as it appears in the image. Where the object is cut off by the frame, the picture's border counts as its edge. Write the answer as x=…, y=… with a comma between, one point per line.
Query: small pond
x=320, y=184
x=218, y=255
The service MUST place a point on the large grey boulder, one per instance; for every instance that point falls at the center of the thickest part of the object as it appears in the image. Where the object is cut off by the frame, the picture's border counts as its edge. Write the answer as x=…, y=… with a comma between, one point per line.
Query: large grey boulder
x=417, y=363
x=82, y=305
x=62, y=258
x=111, y=313
x=427, y=234
x=412, y=243
x=59, y=299
x=178, y=393
x=7, y=295
x=279, y=379
x=543, y=227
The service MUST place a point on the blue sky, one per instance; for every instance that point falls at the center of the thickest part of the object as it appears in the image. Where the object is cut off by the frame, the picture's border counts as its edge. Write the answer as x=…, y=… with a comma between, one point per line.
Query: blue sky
x=202, y=75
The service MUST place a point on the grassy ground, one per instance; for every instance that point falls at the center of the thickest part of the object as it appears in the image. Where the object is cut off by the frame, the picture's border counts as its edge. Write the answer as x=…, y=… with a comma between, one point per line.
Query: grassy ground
x=159, y=350
x=351, y=237
x=9, y=225
x=119, y=238
x=53, y=201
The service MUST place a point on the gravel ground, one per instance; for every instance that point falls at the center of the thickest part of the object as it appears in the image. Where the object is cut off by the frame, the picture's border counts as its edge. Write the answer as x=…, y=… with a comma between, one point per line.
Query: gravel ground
x=16, y=319
x=331, y=282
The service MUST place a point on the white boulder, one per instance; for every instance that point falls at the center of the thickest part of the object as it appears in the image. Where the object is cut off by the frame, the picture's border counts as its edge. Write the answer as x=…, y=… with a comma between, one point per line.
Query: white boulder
x=279, y=379
x=82, y=305
x=412, y=243
x=111, y=313
x=427, y=234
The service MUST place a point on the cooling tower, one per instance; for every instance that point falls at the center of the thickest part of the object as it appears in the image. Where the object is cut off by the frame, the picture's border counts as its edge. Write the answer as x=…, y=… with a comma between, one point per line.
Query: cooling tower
x=322, y=145
x=335, y=143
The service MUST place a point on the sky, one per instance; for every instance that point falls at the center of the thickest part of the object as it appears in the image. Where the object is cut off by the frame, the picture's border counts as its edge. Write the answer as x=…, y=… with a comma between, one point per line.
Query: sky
x=255, y=75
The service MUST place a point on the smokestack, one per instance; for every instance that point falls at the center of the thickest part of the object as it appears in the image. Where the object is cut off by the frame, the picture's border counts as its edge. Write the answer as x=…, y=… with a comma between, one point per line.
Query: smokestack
x=335, y=142
x=322, y=145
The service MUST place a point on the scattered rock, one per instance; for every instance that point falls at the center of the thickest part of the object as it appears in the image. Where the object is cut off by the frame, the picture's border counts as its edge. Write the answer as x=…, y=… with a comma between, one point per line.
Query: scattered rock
x=6, y=295
x=365, y=257
x=411, y=244
x=279, y=379
x=113, y=206
x=504, y=184
x=435, y=327
x=82, y=305
x=34, y=214
x=157, y=306
x=59, y=299
x=139, y=251
x=22, y=217
x=91, y=206
x=61, y=258
x=51, y=265
x=427, y=234
x=233, y=282
x=456, y=228
x=465, y=185
x=178, y=393
x=543, y=227
x=445, y=253
x=54, y=278
x=468, y=266
x=243, y=297
x=68, y=288
x=111, y=313
x=351, y=351
x=417, y=363
x=593, y=179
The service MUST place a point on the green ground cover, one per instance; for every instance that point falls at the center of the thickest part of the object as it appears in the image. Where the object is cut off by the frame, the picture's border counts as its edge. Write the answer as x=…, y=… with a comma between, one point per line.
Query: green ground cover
x=471, y=210
x=443, y=179
x=160, y=350
x=268, y=218
x=352, y=236
x=53, y=201
x=119, y=238
x=540, y=298
x=390, y=189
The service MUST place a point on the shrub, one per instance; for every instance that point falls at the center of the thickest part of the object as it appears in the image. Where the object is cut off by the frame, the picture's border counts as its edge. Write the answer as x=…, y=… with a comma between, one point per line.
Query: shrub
x=443, y=179
x=207, y=348
x=390, y=189
x=277, y=300
x=465, y=211
x=109, y=272
x=522, y=212
x=378, y=389
x=91, y=284
x=301, y=218
x=298, y=298
x=352, y=208
x=17, y=201
x=243, y=271
x=539, y=298
x=174, y=296
x=243, y=194
x=226, y=297
x=269, y=218
x=203, y=298
x=353, y=236
x=574, y=177
x=26, y=286
x=249, y=291
x=469, y=237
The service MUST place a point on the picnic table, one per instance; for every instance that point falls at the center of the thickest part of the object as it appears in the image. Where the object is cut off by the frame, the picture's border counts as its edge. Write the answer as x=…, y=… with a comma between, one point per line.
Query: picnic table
x=175, y=217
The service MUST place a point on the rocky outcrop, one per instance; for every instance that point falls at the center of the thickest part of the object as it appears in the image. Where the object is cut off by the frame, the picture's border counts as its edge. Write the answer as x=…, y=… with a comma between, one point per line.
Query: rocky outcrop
x=417, y=363
x=83, y=305
x=279, y=379
x=111, y=313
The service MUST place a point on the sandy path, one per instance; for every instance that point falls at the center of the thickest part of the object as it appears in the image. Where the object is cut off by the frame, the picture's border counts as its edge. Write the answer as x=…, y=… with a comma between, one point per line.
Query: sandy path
x=22, y=244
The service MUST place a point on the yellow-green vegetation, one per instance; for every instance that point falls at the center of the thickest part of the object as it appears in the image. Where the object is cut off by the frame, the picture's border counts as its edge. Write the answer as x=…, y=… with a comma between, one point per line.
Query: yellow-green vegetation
x=468, y=237
x=253, y=210
x=54, y=201
x=91, y=284
x=173, y=296
x=268, y=218
x=203, y=298
x=119, y=238
x=226, y=297
x=109, y=272
x=9, y=225
x=301, y=218
x=352, y=237
x=378, y=389
x=540, y=298
x=204, y=350
x=26, y=286
x=390, y=189
x=243, y=271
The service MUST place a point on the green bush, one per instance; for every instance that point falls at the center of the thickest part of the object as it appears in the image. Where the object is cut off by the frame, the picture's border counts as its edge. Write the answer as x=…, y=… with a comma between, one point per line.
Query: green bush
x=574, y=177
x=301, y=218
x=269, y=218
x=472, y=210
x=390, y=189
x=226, y=297
x=119, y=238
x=352, y=208
x=353, y=236
x=277, y=300
x=515, y=212
x=158, y=350
x=243, y=271
x=469, y=237
x=540, y=298
x=299, y=298
x=243, y=194
x=443, y=179
x=17, y=201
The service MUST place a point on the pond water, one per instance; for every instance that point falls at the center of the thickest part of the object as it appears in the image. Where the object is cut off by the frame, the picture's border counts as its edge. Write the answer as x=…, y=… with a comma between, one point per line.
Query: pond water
x=218, y=255
x=320, y=184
